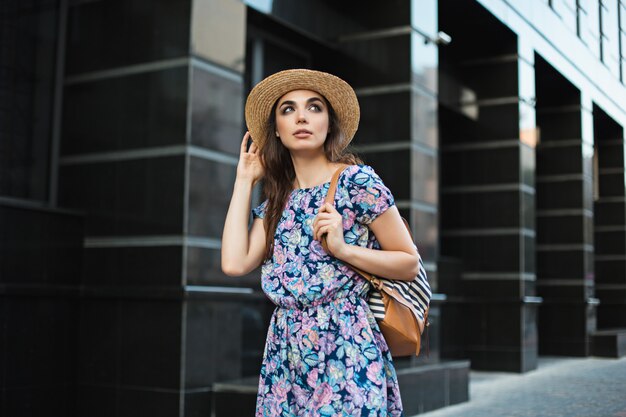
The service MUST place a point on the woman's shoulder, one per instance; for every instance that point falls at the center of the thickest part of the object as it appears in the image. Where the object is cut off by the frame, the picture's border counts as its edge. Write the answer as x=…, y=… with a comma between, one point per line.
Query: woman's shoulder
x=359, y=174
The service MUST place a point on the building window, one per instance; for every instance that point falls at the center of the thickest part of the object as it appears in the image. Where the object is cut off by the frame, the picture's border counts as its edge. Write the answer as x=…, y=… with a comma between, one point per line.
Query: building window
x=581, y=16
x=603, y=39
x=621, y=20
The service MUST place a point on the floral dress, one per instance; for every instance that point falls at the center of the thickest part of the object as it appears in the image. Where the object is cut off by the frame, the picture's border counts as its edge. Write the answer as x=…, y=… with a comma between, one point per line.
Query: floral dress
x=325, y=355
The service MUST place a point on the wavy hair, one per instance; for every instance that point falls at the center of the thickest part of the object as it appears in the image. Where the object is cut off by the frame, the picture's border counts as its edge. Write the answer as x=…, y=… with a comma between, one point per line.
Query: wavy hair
x=280, y=173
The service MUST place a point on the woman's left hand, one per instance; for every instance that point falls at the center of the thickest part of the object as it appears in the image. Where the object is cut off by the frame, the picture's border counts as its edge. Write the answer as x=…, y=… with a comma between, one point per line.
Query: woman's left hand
x=329, y=222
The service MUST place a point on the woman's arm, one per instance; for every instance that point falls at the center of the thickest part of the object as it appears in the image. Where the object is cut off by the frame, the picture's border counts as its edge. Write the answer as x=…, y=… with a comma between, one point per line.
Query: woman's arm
x=243, y=250
x=398, y=258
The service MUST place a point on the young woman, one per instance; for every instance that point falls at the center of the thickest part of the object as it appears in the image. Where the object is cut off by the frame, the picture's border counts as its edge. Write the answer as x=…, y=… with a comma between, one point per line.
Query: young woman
x=325, y=355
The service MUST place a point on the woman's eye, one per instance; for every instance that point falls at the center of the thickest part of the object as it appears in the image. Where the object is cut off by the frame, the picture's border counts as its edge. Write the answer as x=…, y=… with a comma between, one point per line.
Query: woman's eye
x=287, y=109
x=315, y=107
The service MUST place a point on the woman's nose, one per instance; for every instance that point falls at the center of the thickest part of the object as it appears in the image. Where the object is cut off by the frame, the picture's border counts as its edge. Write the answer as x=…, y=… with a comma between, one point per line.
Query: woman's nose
x=301, y=116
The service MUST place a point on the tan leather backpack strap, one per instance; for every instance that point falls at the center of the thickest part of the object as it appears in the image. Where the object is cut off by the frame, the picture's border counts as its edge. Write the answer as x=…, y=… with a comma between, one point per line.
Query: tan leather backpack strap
x=330, y=197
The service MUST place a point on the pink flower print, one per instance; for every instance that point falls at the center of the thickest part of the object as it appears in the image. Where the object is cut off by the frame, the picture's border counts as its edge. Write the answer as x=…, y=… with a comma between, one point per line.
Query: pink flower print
x=336, y=371
x=374, y=372
x=348, y=218
x=327, y=343
x=326, y=272
x=369, y=197
x=280, y=390
x=280, y=256
x=312, y=378
x=375, y=398
x=322, y=396
x=317, y=251
x=358, y=396
x=310, y=339
x=294, y=237
x=289, y=222
x=300, y=395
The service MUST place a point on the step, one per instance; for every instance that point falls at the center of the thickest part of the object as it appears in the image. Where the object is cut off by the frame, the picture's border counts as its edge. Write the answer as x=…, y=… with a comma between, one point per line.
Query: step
x=423, y=388
x=609, y=343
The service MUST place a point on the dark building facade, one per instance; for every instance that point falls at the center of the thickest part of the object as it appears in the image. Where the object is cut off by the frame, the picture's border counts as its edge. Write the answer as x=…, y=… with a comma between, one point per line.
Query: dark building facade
x=498, y=126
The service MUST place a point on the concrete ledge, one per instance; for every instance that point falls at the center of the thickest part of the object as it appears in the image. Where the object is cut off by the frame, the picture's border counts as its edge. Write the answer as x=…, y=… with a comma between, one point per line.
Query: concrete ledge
x=610, y=343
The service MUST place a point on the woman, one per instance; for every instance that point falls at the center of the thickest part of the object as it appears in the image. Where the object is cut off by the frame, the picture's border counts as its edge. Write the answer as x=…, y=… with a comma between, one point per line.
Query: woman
x=325, y=355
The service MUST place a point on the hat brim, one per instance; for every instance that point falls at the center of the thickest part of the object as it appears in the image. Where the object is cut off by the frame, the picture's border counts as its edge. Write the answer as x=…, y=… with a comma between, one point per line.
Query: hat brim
x=264, y=95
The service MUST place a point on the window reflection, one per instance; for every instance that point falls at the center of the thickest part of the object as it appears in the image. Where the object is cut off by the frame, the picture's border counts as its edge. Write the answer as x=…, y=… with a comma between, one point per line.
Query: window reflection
x=28, y=48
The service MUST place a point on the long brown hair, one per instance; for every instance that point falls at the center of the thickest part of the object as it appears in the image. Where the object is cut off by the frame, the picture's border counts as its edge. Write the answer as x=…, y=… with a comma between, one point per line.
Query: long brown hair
x=280, y=174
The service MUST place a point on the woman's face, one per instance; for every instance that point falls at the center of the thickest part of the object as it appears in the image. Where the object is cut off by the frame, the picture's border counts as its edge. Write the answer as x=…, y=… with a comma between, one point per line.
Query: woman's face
x=302, y=120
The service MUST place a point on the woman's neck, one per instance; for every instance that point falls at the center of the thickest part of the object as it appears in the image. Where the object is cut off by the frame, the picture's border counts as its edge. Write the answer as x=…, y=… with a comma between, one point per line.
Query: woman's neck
x=312, y=171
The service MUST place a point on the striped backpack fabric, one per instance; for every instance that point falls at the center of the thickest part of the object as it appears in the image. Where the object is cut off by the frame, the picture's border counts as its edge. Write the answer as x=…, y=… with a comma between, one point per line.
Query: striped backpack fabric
x=417, y=292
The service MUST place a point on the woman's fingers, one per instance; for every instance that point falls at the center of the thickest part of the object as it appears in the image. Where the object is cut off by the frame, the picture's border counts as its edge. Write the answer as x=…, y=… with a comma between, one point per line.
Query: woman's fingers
x=320, y=228
x=253, y=148
x=244, y=142
x=327, y=208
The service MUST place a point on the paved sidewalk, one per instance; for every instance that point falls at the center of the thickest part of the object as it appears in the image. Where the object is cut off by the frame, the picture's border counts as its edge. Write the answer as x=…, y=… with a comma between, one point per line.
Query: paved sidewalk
x=559, y=387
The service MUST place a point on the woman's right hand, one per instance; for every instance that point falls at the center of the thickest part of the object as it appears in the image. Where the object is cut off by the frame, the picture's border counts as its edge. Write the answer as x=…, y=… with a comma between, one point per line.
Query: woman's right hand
x=249, y=166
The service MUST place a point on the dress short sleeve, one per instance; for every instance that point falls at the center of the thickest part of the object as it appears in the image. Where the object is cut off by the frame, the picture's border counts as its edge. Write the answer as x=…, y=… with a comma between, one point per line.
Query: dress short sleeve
x=367, y=194
x=259, y=211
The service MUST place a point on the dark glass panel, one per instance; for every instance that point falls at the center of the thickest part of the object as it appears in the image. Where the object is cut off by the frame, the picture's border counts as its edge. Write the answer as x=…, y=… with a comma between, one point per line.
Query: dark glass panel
x=559, y=125
x=484, y=253
x=213, y=343
x=109, y=34
x=384, y=118
x=566, y=264
x=610, y=242
x=331, y=19
x=378, y=61
x=219, y=32
x=423, y=119
x=493, y=79
x=480, y=166
x=424, y=175
x=136, y=197
x=133, y=266
x=136, y=111
x=98, y=342
x=204, y=268
x=27, y=78
x=480, y=210
x=612, y=185
x=394, y=169
x=610, y=271
x=426, y=234
x=610, y=213
x=150, y=344
x=559, y=160
x=210, y=189
x=610, y=155
x=424, y=63
x=40, y=349
x=154, y=403
x=216, y=111
x=40, y=246
x=560, y=195
x=561, y=229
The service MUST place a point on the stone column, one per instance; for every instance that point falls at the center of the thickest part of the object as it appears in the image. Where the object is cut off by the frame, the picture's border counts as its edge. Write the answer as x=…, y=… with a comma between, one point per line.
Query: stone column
x=152, y=119
x=487, y=122
x=564, y=215
x=610, y=221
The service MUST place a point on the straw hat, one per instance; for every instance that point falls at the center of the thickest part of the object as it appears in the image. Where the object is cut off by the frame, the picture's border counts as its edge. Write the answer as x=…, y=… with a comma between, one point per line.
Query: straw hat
x=265, y=94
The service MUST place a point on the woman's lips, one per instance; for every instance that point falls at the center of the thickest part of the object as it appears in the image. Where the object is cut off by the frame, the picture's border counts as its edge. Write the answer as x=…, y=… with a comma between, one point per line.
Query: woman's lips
x=302, y=133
